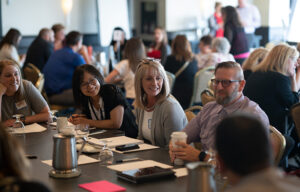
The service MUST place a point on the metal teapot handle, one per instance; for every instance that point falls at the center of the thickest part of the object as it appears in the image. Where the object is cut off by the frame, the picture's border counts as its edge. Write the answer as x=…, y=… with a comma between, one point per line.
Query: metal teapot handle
x=82, y=146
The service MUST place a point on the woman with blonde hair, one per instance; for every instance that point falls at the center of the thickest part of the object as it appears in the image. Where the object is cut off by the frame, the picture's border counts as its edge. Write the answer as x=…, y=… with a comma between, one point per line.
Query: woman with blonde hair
x=14, y=167
x=274, y=84
x=134, y=51
x=253, y=60
x=158, y=113
x=182, y=59
x=19, y=96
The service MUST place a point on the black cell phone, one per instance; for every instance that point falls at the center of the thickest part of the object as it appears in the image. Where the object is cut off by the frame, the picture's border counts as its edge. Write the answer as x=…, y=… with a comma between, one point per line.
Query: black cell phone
x=146, y=174
x=127, y=147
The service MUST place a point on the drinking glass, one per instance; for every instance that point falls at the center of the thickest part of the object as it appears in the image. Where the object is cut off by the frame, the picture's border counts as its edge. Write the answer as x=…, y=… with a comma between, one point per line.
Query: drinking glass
x=106, y=155
x=18, y=125
x=82, y=130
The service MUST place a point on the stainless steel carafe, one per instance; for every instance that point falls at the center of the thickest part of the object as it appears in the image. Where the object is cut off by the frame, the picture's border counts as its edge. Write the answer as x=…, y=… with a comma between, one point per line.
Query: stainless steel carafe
x=65, y=159
x=200, y=177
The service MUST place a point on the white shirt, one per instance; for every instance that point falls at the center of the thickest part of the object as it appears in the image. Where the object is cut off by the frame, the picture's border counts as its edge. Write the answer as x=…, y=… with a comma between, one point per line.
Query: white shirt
x=95, y=113
x=128, y=77
x=250, y=17
x=146, y=126
x=212, y=59
x=10, y=52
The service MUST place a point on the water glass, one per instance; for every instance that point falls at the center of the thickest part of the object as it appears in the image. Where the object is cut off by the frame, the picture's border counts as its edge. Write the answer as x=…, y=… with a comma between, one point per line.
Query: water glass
x=18, y=125
x=106, y=155
x=82, y=130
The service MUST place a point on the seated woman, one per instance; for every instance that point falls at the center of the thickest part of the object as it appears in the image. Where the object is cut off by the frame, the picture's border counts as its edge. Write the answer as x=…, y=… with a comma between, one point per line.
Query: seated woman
x=133, y=53
x=253, y=60
x=103, y=104
x=220, y=53
x=158, y=113
x=183, y=59
x=274, y=84
x=19, y=96
x=14, y=167
x=160, y=48
x=8, y=47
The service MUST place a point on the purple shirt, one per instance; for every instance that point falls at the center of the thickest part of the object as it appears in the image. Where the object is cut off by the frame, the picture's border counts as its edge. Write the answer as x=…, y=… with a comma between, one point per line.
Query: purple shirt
x=203, y=126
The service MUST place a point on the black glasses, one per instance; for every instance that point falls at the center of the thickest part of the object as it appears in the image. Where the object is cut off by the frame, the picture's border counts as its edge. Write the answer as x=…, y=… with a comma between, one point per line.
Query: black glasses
x=90, y=82
x=225, y=83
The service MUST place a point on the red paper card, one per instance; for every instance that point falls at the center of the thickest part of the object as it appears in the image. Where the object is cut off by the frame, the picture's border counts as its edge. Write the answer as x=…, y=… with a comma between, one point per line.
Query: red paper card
x=102, y=186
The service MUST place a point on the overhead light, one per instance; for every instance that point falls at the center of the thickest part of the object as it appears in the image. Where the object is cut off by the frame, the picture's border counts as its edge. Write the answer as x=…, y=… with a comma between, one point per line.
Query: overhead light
x=66, y=6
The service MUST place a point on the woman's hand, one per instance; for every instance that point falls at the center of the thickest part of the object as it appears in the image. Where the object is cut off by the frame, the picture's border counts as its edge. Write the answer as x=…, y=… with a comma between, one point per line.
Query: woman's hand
x=9, y=122
x=78, y=119
x=2, y=89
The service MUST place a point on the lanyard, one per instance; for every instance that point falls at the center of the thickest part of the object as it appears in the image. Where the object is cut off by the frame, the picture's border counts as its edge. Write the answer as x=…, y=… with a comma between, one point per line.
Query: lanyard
x=101, y=112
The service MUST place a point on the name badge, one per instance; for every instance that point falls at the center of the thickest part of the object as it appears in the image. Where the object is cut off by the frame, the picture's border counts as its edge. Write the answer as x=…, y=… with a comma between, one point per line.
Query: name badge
x=149, y=123
x=21, y=104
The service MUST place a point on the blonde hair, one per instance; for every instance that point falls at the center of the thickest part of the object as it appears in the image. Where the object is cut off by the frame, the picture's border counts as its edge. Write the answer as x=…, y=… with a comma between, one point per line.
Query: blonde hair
x=277, y=59
x=144, y=66
x=19, y=95
x=255, y=58
x=13, y=160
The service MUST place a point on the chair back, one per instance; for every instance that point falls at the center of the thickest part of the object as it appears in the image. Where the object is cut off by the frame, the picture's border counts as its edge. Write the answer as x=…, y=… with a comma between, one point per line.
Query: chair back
x=191, y=112
x=295, y=113
x=207, y=96
x=33, y=74
x=171, y=78
x=278, y=143
x=201, y=81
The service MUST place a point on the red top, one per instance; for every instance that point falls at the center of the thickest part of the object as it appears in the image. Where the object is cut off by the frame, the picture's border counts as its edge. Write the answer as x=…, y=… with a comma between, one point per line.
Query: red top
x=220, y=31
x=154, y=53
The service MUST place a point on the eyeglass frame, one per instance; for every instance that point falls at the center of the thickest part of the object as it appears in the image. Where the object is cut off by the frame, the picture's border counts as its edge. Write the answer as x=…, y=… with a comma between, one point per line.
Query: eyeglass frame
x=84, y=85
x=215, y=82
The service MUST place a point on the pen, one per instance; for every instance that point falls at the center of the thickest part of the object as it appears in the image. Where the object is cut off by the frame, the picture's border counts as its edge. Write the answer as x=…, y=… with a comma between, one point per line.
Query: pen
x=127, y=160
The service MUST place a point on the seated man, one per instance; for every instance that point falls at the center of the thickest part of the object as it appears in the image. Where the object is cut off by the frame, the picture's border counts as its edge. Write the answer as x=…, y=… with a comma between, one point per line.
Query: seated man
x=244, y=154
x=40, y=49
x=228, y=86
x=59, y=70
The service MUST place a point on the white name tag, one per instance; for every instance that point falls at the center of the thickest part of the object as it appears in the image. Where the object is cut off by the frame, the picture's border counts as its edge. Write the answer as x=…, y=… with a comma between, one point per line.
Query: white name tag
x=21, y=104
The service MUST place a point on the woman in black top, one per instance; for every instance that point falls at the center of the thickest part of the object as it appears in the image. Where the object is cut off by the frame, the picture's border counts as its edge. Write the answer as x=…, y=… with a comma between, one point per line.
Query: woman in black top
x=103, y=104
x=182, y=53
x=235, y=33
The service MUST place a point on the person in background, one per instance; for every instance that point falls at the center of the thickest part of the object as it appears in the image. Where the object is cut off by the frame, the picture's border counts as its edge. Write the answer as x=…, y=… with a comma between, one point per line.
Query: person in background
x=104, y=105
x=19, y=96
x=59, y=36
x=59, y=70
x=228, y=87
x=9, y=45
x=220, y=53
x=250, y=18
x=182, y=56
x=160, y=48
x=118, y=42
x=244, y=154
x=215, y=22
x=235, y=33
x=205, y=47
x=158, y=113
x=124, y=71
x=40, y=49
x=60, y=42
x=14, y=167
x=253, y=60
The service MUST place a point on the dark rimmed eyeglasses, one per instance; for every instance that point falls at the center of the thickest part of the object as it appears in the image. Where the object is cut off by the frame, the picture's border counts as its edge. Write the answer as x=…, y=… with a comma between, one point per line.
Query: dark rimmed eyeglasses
x=85, y=85
x=225, y=83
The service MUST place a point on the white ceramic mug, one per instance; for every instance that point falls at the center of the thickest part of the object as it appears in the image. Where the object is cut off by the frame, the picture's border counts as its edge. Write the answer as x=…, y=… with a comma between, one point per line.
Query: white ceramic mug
x=62, y=122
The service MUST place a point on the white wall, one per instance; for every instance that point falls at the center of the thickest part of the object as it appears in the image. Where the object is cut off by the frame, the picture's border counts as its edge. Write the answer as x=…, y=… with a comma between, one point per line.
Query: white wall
x=29, y=16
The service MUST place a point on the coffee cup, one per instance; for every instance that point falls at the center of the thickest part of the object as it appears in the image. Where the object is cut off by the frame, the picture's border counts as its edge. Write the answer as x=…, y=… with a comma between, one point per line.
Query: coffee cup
x=62, y=122
x=178, y=136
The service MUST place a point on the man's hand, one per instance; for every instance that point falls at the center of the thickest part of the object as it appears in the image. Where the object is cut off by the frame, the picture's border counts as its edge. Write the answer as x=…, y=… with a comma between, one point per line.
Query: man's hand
x=184, y=152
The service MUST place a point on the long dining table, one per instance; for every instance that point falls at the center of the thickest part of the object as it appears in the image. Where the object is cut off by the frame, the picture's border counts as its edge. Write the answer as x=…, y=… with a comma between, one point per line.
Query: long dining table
x=41, y=145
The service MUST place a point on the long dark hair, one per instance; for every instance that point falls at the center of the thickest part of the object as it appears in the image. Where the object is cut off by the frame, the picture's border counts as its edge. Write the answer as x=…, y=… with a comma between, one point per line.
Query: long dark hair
x=79, y=98
x=231, y=16
x=11, y=38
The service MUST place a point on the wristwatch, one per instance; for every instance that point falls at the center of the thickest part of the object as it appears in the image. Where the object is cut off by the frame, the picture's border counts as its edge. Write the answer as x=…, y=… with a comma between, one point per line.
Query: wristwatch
x=202, y=156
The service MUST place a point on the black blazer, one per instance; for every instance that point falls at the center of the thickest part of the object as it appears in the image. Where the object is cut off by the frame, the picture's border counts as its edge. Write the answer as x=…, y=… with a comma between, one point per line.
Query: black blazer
x=273, y=92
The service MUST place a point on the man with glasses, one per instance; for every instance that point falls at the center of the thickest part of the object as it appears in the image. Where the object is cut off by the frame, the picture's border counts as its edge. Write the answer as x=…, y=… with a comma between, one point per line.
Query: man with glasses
x=228, y=86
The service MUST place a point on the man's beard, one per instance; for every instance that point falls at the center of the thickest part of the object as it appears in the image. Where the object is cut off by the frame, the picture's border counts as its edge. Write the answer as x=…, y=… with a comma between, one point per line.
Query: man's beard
x=227, y=99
